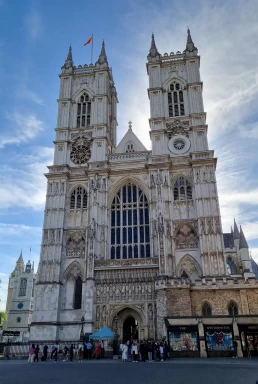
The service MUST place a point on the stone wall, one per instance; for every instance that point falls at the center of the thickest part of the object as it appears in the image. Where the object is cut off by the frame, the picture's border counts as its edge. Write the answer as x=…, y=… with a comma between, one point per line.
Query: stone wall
x=178, y=302
x=218, y=300
x=252, y=300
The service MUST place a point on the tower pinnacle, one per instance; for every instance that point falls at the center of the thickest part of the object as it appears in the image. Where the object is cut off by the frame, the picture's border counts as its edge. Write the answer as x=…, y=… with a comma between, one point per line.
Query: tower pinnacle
x=242, y=240
x=103, y=56
x=154, y=53
x=190, y=47
x=69, y=60
x=236, y=231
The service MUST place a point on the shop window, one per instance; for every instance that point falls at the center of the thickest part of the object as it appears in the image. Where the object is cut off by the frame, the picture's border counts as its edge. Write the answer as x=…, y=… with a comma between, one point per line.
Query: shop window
x=232, y=309
x=206, y=309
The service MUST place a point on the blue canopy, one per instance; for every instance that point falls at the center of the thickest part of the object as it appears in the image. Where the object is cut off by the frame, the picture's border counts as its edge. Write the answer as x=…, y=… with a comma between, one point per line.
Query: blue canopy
x=104, y=333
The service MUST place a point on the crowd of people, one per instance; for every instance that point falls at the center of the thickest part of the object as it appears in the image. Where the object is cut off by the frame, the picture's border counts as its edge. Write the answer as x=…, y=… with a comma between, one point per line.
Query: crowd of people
x=79, y=352
x=144, y=351
x=134, y=351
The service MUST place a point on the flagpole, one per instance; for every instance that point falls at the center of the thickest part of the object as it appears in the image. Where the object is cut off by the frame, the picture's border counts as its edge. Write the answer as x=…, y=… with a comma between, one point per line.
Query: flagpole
x=92, y=50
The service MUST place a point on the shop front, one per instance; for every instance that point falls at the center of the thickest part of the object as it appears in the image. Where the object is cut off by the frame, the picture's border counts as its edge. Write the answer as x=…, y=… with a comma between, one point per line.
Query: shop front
x=183, y=341
x=219, y=340
x=249, y=339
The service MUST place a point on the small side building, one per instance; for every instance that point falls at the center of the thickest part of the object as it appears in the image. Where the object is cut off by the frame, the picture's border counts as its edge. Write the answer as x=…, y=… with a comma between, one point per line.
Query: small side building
x=20, y=301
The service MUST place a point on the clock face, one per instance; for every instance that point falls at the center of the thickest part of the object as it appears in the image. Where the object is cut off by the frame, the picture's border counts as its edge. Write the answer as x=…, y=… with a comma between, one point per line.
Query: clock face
x=80, y=154
x=179, y=144
x=12, y=283
x=20, y=306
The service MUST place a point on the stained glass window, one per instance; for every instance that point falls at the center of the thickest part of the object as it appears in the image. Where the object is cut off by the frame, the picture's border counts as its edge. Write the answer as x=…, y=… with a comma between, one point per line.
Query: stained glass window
x=130, y=233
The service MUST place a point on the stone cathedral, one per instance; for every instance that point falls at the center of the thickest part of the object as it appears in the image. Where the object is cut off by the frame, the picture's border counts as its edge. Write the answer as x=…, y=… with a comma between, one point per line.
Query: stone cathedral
x=132, y=238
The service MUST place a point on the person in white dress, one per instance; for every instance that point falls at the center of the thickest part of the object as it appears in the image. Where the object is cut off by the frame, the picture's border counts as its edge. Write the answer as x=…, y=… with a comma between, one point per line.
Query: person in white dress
x=124, y=352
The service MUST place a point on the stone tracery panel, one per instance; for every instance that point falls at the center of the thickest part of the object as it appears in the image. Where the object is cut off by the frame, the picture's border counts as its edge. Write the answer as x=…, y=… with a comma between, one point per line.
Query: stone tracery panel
x=189, y=267
x=75, y=246
x=186, y=237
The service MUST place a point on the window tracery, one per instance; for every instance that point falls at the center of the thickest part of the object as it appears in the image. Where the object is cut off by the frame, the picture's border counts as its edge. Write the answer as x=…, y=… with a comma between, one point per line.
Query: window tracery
x=176, y=100
x=83, y=111
x=182, y=189
x=78, y=293
x=130, y=232
x=79, y=199
x=232, y=309
x=129, y=148
x=186, y=238
x=75, y=245
x=23, y=286
x=206, y=309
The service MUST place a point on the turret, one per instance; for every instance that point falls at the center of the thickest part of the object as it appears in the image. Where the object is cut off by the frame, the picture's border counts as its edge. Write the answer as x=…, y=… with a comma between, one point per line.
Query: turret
x=19, y=265
x=68, y=65
x=244, y=255
x=103, y=56
x=154, y=54
x=190, y=49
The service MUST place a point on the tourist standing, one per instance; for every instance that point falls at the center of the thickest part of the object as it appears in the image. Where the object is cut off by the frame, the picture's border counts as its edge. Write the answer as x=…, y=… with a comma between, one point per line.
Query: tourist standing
x=102, y=349
x=80, y=353
x=52, y=351
x=36, y=353
x=71, y=352
x=234, y=349
x=89, y=350
x=31, y=354
x=161, y=351
x=45, y=348
x=149, y=349
x=135, y=352
x=99, y=350
x=124, y=352
x=65, y=358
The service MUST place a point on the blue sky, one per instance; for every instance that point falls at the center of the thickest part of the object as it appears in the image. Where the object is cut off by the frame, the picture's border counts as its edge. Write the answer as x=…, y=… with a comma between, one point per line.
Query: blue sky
x=34, y=40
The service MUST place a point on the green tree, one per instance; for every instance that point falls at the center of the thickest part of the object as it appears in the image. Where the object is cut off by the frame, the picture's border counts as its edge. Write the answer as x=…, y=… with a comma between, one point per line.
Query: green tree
x=3, y=317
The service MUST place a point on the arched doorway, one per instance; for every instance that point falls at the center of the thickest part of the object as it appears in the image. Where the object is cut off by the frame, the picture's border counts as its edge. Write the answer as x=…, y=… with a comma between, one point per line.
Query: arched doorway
x=129, y=323
x=130, y=329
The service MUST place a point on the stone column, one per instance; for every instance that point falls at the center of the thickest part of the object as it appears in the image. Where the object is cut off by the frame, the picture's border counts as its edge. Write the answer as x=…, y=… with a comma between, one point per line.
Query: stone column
x=203, y=352
x=237, y=338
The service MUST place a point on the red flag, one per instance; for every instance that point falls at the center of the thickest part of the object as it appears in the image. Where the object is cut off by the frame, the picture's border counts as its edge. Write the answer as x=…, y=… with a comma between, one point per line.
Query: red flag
x=89, y=41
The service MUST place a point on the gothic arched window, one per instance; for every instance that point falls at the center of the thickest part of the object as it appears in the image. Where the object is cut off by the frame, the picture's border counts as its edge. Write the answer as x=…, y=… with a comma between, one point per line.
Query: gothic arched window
x=79, y=199
x=231, y=266
x=23, y=286
x=175, y=100
x=129, y=147
x=182, y=189
x=78, y=293
x=83, y=111
x=130, y=228
x=232, y=309
x=206, y=309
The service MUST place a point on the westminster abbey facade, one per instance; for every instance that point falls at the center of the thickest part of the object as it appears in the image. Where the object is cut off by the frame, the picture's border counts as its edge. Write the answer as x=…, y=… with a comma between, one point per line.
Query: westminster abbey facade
x=132, y=238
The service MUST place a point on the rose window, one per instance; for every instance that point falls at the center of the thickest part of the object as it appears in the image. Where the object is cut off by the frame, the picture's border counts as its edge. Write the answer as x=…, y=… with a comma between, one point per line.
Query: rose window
x=179, y=144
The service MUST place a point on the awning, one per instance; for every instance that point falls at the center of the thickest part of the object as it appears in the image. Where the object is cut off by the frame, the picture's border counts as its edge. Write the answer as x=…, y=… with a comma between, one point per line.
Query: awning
x=104, y=333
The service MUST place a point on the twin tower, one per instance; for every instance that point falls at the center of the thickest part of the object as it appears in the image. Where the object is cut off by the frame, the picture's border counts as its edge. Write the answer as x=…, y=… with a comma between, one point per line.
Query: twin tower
x=125, y=227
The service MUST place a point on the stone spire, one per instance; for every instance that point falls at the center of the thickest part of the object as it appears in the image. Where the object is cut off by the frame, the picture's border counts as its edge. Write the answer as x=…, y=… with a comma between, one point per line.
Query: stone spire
x=242, y=240
x=154, y=53
x=19, y=265
x=190, y=47
x=236, y=231
x=103, y=56
x=69, y=61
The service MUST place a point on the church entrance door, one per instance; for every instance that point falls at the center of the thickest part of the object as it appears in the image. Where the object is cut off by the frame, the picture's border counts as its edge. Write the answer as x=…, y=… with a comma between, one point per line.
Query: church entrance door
x=130, y=329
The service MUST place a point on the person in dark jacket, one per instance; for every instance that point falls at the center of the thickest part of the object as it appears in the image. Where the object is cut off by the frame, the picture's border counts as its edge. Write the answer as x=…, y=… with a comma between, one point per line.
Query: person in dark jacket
x=71, y=352
x=45, y=348
x=36, y=353
x=149, y=348
x=234, y=349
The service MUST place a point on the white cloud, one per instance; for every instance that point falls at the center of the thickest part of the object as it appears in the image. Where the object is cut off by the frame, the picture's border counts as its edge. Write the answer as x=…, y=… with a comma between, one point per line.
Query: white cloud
x=33, y=23
x=24, y=127
x=25, y=93
x=29, y=189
